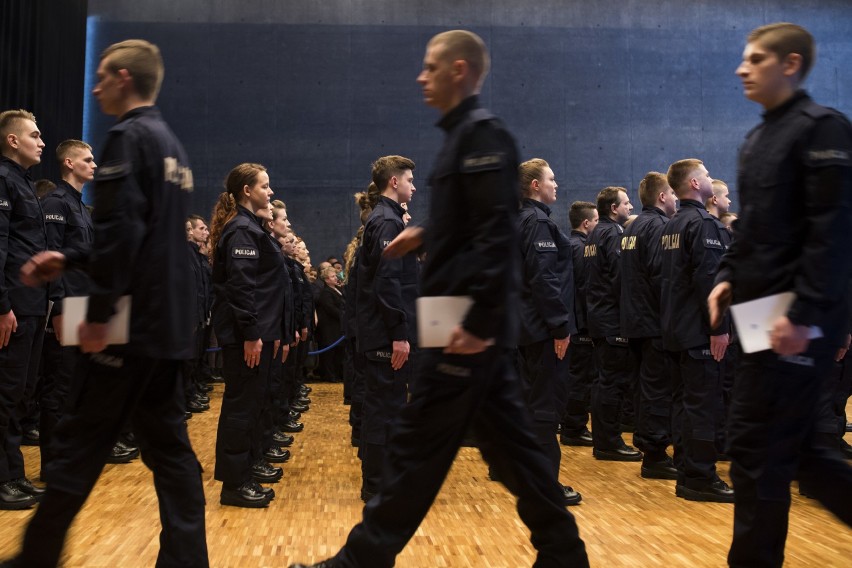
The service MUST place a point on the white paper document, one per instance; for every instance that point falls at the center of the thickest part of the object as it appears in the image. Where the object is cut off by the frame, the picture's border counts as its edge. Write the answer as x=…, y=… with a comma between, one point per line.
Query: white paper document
x=437, y=316
x=74, y=313
x=754, y=320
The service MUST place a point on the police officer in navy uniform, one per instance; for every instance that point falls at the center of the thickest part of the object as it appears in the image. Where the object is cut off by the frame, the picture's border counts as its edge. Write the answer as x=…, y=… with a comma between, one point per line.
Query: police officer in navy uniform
x=793, y=234
x=603, y=298
x=247, y=308
x=692, y=248
x=582, y=369
x=141, y=195
x=386, y=322
x=22, y=309
x=640, y=323
x=471, y=250
x=68, y=224
x=546, y=309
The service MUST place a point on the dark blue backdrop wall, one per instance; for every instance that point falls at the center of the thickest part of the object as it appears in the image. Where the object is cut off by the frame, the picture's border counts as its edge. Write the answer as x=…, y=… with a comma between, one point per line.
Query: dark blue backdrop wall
x=605, y=91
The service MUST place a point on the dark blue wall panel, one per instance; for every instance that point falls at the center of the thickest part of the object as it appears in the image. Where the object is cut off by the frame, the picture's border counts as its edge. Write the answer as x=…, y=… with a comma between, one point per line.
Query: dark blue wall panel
x=316, y=91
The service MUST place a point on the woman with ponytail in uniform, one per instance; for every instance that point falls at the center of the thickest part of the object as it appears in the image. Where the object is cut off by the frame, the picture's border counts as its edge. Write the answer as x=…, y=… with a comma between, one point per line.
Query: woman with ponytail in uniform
x=247, y=272
x=547, y=309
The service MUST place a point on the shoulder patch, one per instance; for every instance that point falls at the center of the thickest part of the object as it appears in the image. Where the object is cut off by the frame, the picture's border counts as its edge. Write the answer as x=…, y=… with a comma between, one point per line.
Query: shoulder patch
x=112, y=170
x=5, y=205
x=54, y=218
x=545, y=245
x=712, y=243
x=474, y=163
x=244, y=252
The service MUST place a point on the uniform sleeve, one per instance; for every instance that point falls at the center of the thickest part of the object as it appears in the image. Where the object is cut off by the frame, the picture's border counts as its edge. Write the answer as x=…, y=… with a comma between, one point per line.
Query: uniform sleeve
x=706, y=253
x=5, y=221
x=387, y=285
x=654, y=256
x=55, y=221
x=541, y=271
x=826, y=263
x=242, y=256
x=287, y=316
x=119, y=226
x=491, y=198
x=609, y=260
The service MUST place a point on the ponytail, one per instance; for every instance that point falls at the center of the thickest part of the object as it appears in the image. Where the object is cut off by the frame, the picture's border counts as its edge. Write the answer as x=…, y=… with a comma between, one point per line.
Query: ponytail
x=224, y=210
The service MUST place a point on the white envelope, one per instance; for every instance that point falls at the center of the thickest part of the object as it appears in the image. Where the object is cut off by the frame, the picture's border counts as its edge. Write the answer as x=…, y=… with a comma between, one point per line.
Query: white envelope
x=754, y=320
x=437, y=316
x=74, y=313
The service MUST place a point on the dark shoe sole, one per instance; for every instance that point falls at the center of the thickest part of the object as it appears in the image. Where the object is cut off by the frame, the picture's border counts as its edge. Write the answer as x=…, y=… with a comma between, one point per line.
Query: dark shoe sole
x=696, y=495
x=616, y=457
x=655, y=474
x=273, y=459
x=237, y=502
x=17, y=506
x=566, y=441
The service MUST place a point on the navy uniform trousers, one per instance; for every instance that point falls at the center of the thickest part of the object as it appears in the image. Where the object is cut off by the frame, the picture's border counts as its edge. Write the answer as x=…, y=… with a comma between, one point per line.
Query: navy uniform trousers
x=107, y=388
x=772, y=440
x=19, y=363
x=450, y=393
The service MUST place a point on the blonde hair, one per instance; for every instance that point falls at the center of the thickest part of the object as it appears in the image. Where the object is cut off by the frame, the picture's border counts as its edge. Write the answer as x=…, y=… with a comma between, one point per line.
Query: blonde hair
x=143, y=62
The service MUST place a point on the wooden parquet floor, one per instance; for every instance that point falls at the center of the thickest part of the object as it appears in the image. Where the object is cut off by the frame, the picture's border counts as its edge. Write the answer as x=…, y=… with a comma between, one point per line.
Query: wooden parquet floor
x=625, y=521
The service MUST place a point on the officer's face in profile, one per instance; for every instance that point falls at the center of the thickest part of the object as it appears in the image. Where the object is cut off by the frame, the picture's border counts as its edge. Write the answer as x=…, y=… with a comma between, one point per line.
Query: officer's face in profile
x=670, y=203
x=405, y=186
x=82, y=164
x=199, y=232
x=547, y=186
x=26, y=142
x=593, y=222
x=701, y=178
x=108, y=89
x=436, y=78
x=259, y=194
x=623, y=209
x=762, y=74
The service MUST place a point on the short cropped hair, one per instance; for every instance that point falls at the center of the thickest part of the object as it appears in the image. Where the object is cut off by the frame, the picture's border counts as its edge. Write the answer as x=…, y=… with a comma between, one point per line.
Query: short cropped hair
x=607, y=198
x=68, y=147
x=784, y=38
x=467, y=46
x=388, y=166
x=679, y=172
x=9, y=120
x=143, y=62
x=580, y=211
x=650, y=188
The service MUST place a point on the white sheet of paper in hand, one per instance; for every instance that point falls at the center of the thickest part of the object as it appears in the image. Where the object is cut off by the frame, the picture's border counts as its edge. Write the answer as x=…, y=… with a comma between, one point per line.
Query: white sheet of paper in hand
x=437, y=316
x=74, y=312
x=754, y=320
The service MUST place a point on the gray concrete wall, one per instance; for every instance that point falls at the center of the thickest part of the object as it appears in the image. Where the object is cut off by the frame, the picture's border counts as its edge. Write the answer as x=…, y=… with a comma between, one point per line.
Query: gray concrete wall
x=605, y=91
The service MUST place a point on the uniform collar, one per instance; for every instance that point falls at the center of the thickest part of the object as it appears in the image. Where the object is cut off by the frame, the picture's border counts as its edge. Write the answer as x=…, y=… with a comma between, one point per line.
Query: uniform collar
x=780, y=111
x=69, y=189
x=243, y=211
x=580, y=234
x=654, y=209
x=691, y=203
x=393, y=205
x=153, y=110
x=455, y=116
x=22, y=171
x=539, y=204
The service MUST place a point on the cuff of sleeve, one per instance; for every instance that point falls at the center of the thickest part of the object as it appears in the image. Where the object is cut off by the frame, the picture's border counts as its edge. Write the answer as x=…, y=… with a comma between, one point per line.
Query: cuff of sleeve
x=479, y=322
x=399, y=332
x=560, y=332
x=724, y=275
x=251, y=333
x=100, y=309
x=5, y=305
x=802, y=314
